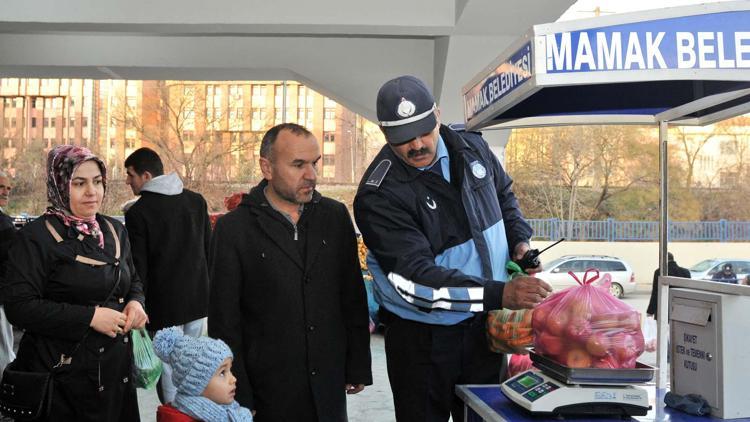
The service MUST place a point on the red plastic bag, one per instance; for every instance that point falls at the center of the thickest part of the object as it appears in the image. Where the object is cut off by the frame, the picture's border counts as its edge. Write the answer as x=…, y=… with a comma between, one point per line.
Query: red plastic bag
x=586, y=327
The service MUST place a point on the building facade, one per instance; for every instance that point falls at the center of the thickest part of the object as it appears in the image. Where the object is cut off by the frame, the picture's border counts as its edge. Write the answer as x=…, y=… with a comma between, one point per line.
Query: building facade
x=208, y=130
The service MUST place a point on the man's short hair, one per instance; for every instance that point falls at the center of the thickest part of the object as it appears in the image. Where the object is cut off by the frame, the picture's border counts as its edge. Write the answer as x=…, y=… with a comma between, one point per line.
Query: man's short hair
x=145, y=160
x=269, y=138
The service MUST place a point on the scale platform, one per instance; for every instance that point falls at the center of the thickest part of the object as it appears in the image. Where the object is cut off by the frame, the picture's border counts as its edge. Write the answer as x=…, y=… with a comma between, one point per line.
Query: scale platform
x=561, y=390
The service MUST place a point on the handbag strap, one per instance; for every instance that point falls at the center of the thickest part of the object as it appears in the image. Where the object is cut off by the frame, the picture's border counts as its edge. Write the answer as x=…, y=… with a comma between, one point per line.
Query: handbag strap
x=67, y=359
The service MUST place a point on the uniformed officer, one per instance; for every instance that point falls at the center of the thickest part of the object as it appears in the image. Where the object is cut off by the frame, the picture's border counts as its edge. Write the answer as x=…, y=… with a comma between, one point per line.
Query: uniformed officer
x=437, y=212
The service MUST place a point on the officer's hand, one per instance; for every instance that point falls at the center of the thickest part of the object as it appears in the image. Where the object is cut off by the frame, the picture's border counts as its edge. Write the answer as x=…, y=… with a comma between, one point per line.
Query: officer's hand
x=519, y=251
x=354, y=388
x=524, y=292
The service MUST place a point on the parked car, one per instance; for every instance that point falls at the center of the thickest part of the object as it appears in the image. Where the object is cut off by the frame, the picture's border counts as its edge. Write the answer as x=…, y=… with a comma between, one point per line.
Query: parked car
x=706, y=269
x=556, y=272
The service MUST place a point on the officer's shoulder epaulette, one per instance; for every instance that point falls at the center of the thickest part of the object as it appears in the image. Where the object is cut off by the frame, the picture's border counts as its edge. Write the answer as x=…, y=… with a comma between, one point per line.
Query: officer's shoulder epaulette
x=377, y=175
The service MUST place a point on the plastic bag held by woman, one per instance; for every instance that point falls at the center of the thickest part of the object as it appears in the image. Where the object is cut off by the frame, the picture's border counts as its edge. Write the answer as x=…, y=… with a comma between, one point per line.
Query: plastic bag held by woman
x=586, y=327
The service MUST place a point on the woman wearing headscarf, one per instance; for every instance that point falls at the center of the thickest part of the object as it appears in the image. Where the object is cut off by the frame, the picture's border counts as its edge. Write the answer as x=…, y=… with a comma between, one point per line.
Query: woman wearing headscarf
x=71, y=281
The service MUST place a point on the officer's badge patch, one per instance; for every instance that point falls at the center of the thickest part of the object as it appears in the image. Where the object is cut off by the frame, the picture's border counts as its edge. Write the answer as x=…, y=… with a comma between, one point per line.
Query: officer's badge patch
x=406, y=108
x=478, y=170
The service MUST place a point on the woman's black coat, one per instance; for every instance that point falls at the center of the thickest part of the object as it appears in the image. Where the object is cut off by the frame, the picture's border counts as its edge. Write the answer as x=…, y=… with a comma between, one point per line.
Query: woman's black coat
x=296, y=322
x=52, y=296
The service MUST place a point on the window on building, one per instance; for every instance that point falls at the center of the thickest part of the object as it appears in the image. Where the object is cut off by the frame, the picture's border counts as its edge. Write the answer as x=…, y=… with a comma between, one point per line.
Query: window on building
x=72, y=122
x=235, y=118
x=329, y=114
x=213, y=118
x=329, y=103
x=188, y=91
x=728, y=147
x=278, y=116
x=52, y=122
x=729, y=178
x=258, y=118
x=304, y=97
x=259, y=95
x=213, y=96
x=278, y=99
x=130, y=143
x=39, y=103
x=19, y=102
x=84, y=121
x=259, y=90
x=12, y=122
x=235, y=91
x=188, y=136
x=329, y=166
x=188, y=119
x=7, y=102
x=329, y=137
x=33, y=122
x=305, y=117
x=132, y=89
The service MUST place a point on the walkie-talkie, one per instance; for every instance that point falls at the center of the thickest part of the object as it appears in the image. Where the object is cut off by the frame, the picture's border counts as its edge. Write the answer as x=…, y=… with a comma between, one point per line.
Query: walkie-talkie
x=531, y=257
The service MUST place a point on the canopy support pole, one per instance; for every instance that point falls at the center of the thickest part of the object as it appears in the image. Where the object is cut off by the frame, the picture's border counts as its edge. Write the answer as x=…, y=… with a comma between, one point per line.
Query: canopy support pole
x=663, y=289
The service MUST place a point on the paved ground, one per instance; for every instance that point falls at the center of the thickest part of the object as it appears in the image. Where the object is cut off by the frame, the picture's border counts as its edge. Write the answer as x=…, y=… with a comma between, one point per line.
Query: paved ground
x=375, y=403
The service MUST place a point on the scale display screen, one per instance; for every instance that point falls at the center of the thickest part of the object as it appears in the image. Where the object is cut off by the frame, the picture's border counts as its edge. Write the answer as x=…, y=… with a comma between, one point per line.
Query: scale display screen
x=525, y=382
x=528, y=381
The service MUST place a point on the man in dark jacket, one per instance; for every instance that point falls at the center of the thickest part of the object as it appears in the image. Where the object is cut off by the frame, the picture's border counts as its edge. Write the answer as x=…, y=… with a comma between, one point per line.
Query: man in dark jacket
x=672, y=270
x=7, y=233
x=437, y=212
x=170, y=233
x=726, y=275
x=286, y=290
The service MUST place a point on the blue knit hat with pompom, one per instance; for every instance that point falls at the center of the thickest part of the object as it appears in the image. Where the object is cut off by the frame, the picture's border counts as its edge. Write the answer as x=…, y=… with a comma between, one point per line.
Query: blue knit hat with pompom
x=193, y=360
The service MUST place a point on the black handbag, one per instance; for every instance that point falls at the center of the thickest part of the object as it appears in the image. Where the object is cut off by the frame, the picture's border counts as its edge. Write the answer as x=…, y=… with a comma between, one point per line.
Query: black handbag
x=26, y=395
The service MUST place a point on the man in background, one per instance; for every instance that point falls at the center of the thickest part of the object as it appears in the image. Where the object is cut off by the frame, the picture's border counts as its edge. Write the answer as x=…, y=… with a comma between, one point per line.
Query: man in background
x=673, y=270
x=169, y=233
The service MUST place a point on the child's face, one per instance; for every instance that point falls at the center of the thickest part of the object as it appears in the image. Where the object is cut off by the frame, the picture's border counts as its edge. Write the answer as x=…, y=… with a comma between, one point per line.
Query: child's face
x=221, y=387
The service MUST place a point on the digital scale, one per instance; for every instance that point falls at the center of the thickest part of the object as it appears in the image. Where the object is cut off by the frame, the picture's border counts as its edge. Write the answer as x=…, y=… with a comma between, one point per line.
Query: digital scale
x=560, y=390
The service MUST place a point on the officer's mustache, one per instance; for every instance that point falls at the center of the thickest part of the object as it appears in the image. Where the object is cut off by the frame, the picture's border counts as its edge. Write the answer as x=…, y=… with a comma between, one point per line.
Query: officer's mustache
x=417, y=152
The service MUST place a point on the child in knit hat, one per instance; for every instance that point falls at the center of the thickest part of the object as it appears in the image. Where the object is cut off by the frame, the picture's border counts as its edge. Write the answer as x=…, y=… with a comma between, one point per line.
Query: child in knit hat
x=201, y=371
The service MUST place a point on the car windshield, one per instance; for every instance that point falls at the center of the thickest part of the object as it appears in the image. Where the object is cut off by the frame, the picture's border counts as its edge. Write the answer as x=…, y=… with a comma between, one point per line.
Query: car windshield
x=703, y=265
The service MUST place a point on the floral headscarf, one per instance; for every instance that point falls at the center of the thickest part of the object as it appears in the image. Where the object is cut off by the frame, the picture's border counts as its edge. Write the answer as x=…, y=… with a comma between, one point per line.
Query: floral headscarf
x=62, y=161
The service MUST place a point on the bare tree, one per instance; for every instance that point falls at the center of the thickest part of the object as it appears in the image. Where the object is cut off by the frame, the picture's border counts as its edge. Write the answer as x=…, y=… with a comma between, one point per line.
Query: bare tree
x=578, y=171
x=691, y=143
x=200, y=140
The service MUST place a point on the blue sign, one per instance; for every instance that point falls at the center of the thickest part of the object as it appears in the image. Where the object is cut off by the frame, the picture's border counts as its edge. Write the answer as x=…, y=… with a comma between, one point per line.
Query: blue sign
x=712, y=41
x=499, y=83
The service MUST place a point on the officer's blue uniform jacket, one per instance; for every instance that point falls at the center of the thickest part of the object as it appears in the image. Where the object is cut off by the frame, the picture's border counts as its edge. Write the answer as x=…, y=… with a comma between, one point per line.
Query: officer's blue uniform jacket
x=438, y=249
